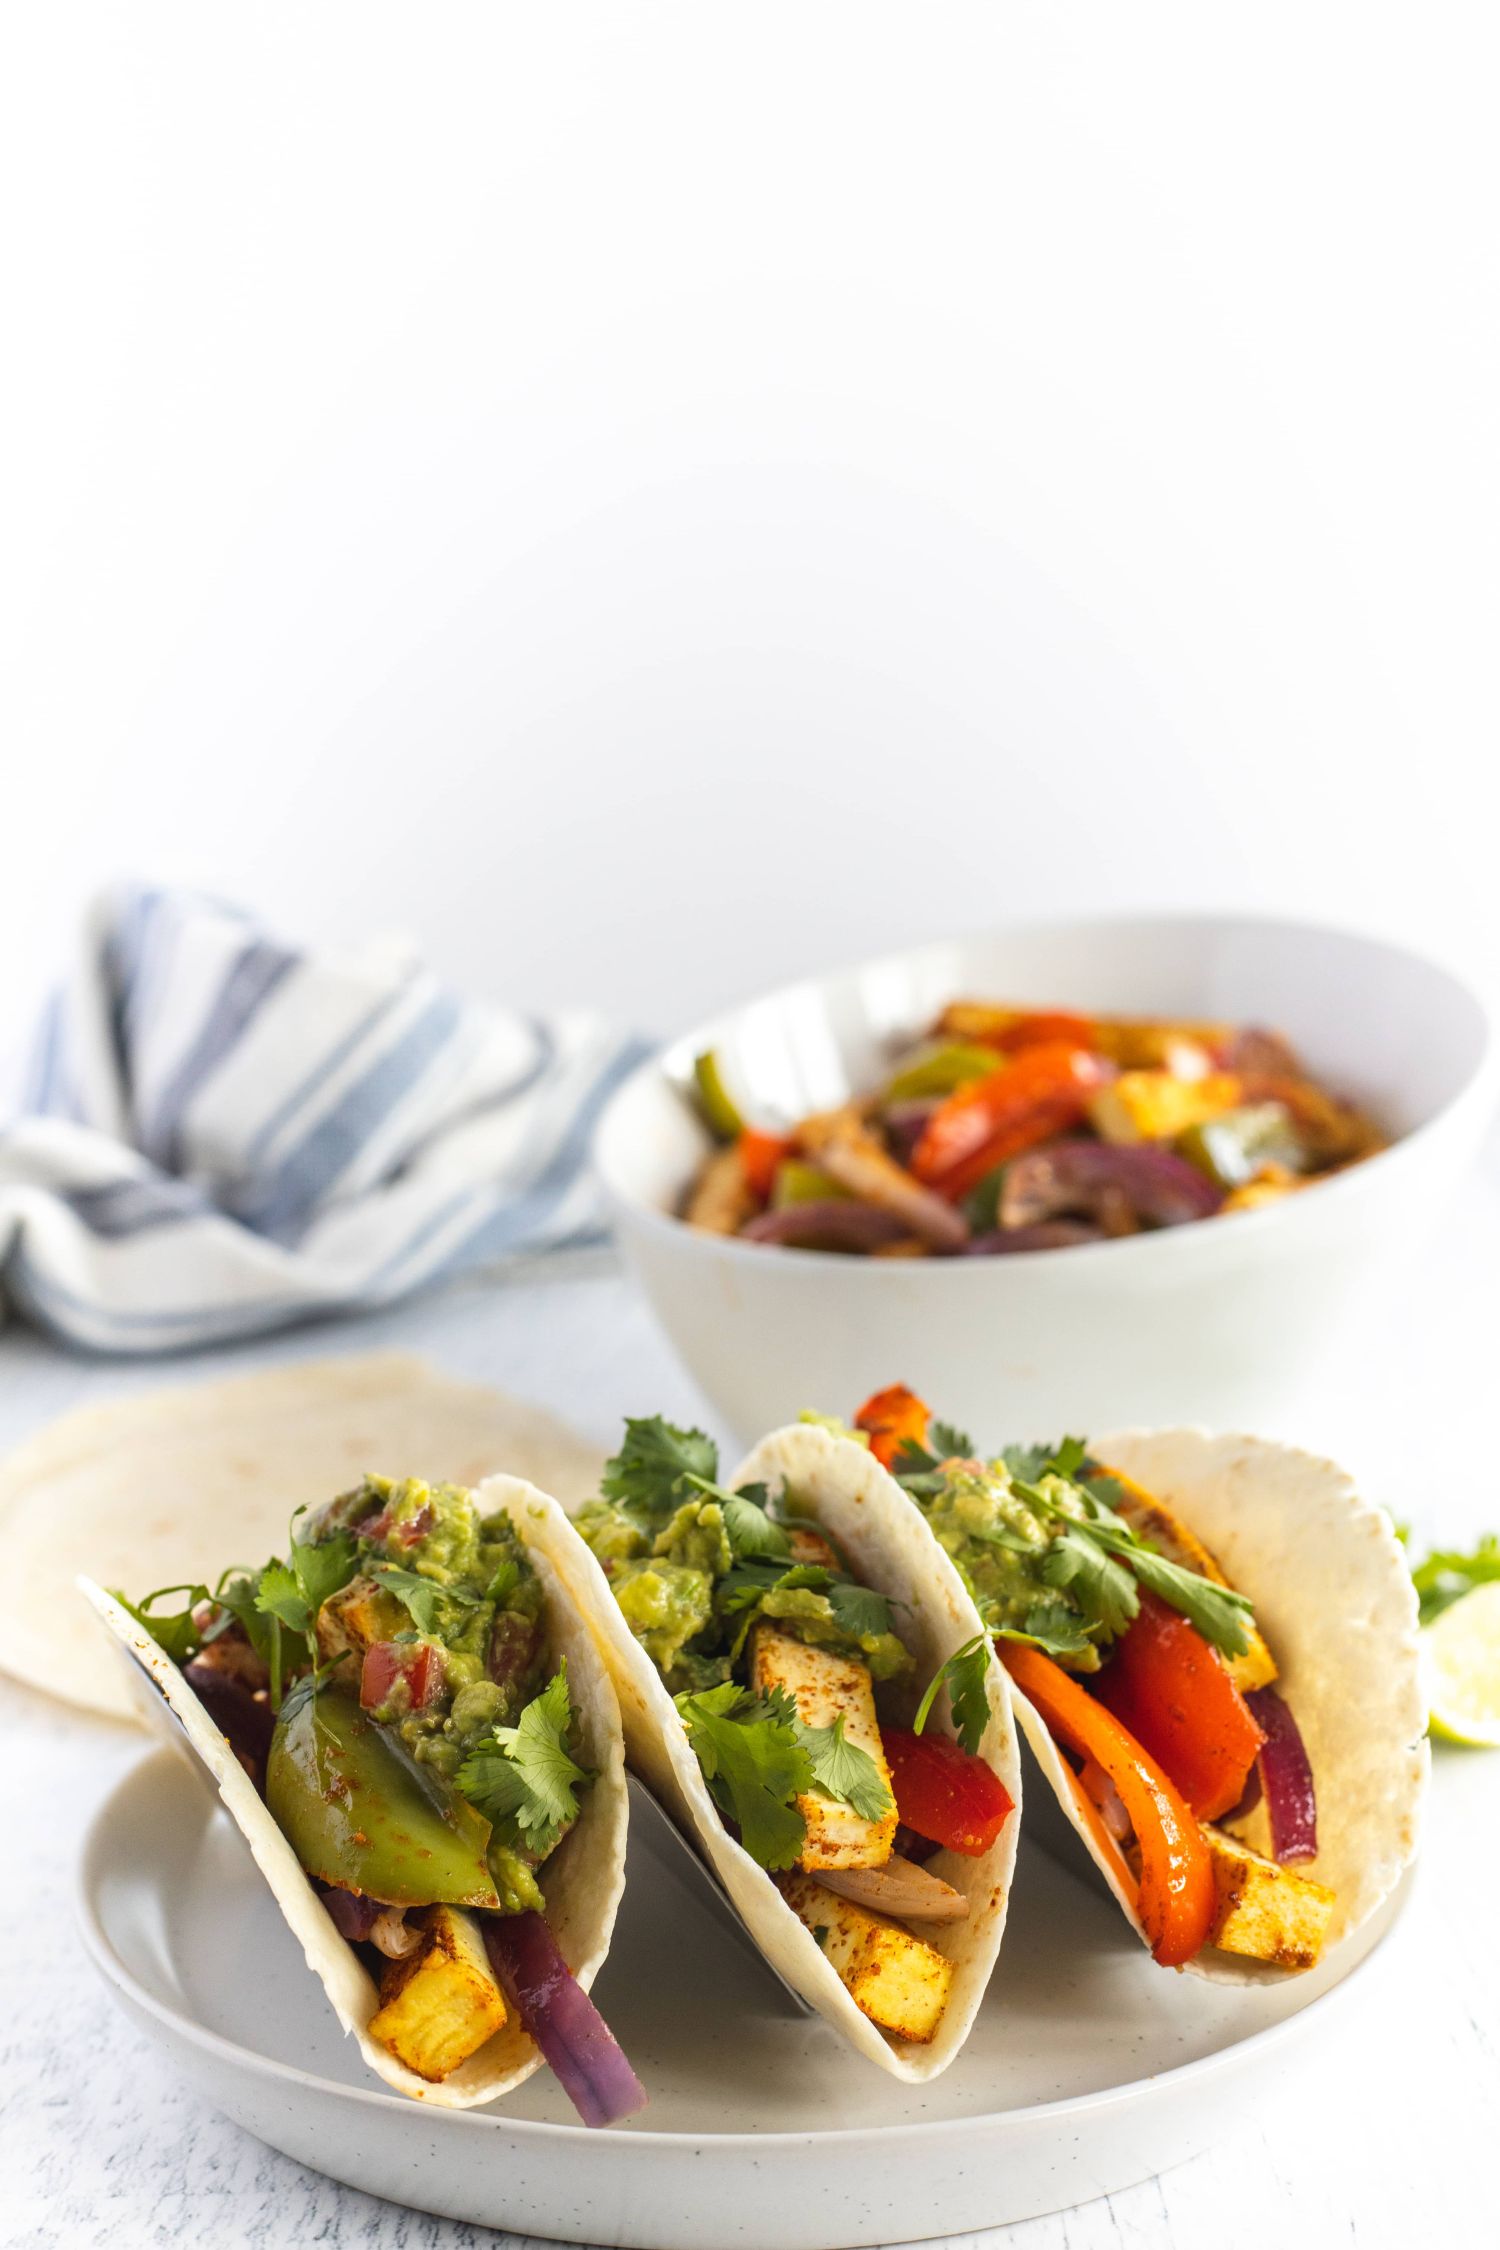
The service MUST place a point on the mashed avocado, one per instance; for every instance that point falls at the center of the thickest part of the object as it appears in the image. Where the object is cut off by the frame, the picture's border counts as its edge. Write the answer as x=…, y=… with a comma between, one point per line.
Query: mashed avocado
x=999, y=1544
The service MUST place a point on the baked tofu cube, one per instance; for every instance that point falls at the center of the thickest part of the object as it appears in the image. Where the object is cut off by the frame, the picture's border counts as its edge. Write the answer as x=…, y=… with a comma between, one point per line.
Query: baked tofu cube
x=357, y=1616
x=1153, y=1520
x=809, y=1546
x=1153, y=1105
x=442, y=2003
x=896, y=1979
x=825, y=1687
x=1268, y=1912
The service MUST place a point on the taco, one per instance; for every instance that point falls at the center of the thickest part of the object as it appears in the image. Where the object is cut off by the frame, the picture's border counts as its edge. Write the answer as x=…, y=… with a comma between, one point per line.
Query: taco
x=411, y=1727
x=1213, y=1643
x=787, y=1649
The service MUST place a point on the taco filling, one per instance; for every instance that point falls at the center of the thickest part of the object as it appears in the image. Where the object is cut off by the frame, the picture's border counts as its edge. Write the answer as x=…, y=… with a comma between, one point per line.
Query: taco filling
x=391, y=1691
x=1118, y=1627
x=796, y=1691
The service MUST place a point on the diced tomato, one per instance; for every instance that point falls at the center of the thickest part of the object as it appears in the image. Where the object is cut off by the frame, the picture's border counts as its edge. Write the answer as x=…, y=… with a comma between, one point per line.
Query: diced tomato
x=387, y=1663
x=943, y=1793
x=1176, y=1899
x=892, y=1417
x=1044, y=1091
x=1171, y=1688
x=1047, y=1028
x=760, y=1154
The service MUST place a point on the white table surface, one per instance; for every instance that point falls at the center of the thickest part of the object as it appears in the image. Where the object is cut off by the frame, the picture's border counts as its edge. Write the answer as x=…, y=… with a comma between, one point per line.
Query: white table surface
x=100, y=2142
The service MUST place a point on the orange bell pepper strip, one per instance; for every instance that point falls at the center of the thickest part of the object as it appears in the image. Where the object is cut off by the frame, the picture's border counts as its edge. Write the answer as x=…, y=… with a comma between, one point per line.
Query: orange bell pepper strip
x=1171, y=1689
x=893, y=1417
x=1176, y=1898
x=1044, y=1091
x=760, y=1155
x=1049, y=1027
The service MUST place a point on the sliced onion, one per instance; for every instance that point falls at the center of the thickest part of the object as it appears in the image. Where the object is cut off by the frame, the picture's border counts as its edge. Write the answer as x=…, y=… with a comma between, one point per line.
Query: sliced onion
x=247, y=1724
x=1089, y=1178
x=831, y=1224
x=575, y=2039
x=900, y=1888
x=1047, y=1234
x=1286, y=1778
x=352, y=1914
x=904, y=1123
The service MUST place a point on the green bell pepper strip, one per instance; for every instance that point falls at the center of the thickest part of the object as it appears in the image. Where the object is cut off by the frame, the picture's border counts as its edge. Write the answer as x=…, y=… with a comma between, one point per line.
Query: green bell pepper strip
x=1235, y=1147
x=942, y=1070
x=798, y=1182
x=363, y=1816
x=720, y=1110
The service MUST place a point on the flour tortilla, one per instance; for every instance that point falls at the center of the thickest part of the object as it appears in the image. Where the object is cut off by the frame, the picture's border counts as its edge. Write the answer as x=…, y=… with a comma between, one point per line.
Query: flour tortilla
x=1334, y=1600
x=890, y=1549
x=581, y=1882
x=145, y=1492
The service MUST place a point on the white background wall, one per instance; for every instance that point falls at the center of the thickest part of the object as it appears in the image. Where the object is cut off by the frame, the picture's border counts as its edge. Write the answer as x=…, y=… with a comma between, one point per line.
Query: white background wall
x=651, y=497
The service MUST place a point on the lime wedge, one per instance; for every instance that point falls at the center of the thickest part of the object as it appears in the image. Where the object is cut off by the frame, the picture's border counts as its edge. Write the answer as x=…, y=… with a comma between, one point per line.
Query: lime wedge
x=1463, y=1654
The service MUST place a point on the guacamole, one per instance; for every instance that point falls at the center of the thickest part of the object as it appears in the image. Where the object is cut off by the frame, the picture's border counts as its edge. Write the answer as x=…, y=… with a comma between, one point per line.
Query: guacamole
x=1001, y=1547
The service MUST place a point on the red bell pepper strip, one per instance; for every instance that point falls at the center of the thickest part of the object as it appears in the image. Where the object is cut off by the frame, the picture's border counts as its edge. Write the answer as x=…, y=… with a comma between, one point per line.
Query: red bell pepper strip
x=943, y=1793
x=1170, y=1688
x=1043, y=1092
x=893, y=1417
x=760, y=1154
x=1176, y=1898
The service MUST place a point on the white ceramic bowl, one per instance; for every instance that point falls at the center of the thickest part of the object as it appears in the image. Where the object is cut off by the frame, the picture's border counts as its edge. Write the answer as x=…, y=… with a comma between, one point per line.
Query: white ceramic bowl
x=1219, y=1322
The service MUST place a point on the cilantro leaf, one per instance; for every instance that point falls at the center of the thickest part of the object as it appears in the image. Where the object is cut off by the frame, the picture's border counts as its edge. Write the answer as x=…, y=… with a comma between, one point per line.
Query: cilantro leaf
x=322, y=1567
x=843, y=1771
x=1051, y=1626
x=174, y=1632
x=950, y=1444
x=523, y=1778
x=965, y=1675
x=1102, y=1587
x=1218, y=1612
x=752, y=1534
x=652, y=1462
x=1442, y=1577
x=755, y=1766
x=1026, y=1463
x=278, y=1595
x=422, y=1598
x=859, y=1610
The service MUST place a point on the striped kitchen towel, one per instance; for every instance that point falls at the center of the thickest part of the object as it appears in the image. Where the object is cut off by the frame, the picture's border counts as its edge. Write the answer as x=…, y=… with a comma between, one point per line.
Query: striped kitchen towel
x=220, y=1135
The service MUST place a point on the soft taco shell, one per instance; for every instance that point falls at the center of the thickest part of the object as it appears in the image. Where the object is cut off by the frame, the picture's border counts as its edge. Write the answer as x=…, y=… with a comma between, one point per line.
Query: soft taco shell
x=581, y=1882
x=1334, y=1599
x=892, y=1551
x=143, y=1492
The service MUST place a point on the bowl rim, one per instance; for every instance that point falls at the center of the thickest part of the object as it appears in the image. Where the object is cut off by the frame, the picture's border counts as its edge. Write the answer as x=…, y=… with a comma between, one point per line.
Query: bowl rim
x=644, y=1211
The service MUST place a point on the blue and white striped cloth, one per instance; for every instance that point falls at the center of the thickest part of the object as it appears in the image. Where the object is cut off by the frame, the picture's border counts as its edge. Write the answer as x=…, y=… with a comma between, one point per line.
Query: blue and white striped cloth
x=220, y=1135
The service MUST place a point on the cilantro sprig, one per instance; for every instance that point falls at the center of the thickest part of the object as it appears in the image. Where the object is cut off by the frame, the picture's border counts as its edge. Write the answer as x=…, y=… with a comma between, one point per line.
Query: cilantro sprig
x=1447, y=1574
x=1097, y=1559
x=525, y=1779
x=965, y=1676
x=759, y=1756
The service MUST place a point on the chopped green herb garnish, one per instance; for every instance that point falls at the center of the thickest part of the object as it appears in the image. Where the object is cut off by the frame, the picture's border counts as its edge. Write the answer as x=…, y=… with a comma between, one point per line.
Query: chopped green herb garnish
x=965, y=1675
x=1444, y=1576
x=524, y=1779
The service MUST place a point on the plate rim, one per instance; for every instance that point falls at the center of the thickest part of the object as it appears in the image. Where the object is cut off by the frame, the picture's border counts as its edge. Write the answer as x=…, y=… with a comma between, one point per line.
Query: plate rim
x=138, y=1777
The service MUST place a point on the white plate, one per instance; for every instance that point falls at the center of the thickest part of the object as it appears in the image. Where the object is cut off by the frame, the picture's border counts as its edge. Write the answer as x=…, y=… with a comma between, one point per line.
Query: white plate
x=1088, y=2068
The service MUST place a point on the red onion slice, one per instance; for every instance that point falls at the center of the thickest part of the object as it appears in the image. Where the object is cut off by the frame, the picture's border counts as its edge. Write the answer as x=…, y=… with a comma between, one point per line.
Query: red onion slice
x=575, y=2039
x=352, y=1914
x=1082, y=1178
x=1286, y=1779
x=1047, y=1234
x=828, y=1225
x=247, y=1725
